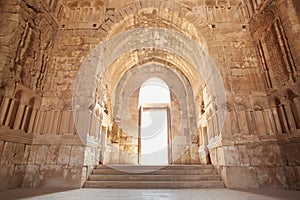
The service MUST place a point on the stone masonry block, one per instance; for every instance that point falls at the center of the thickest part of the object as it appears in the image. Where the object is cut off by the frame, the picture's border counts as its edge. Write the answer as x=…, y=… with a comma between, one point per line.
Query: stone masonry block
x=41, y=156
x=240, y=177
x=64, y=155
x=77, y=155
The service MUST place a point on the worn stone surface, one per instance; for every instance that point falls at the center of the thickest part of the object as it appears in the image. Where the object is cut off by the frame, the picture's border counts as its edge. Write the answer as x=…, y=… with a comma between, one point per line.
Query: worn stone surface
x=41, y=156
x=13, y=164
x=71, y=72
x=134, y=194
x=240, y=177
x=77, y=155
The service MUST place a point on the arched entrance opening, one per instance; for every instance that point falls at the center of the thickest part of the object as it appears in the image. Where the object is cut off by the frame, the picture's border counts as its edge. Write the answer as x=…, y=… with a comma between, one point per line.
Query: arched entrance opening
x=154, y=123
x=120, y=61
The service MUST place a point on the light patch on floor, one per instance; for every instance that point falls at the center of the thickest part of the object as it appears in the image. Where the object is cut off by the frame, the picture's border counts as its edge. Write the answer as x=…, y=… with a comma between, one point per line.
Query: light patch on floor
x=126, y=194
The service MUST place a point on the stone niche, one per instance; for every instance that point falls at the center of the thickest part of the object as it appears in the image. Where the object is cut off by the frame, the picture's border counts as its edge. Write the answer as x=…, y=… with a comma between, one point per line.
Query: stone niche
x=19, y=112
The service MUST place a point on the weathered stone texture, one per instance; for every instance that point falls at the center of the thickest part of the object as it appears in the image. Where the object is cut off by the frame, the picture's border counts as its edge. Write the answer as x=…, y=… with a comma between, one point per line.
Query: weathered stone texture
x=29, y=33
x=240, y=177
x=13, y=163
x=49, y=139
x=51, y=165
x=53, y=176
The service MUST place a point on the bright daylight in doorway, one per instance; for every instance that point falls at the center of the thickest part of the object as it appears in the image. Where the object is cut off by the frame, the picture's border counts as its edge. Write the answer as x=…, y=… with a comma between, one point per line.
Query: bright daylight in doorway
x=153, y=100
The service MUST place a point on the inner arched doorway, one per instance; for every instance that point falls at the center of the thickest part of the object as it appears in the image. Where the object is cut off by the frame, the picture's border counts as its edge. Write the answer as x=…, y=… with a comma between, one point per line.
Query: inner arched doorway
x=179, y=109
x=154, y=146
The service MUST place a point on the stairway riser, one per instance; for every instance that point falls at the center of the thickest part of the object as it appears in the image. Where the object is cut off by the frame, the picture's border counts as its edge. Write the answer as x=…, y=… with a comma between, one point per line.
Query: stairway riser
x=166, y=172
x=202, y=167
x=153, y=178
x=155, y=185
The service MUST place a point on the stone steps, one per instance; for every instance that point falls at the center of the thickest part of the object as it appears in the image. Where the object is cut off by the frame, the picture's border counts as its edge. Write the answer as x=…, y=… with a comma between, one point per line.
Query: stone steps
x=154, y=184
x=154, y=177
x=149, y=167
x=135, y=177
x=159, y=172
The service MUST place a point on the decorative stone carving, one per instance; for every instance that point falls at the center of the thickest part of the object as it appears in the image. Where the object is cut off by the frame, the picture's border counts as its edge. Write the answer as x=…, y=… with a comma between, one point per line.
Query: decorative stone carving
x=47, y=140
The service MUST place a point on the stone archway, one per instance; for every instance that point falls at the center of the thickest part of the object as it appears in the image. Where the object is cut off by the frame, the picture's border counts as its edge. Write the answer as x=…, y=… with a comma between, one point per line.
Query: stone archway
x=172, y=42
x=182, y=108
x=179, y=41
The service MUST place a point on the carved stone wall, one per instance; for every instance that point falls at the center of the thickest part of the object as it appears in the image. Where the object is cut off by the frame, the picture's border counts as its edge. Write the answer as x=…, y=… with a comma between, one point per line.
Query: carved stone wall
x=26, y=43
x=270, y=123
x=254, y=45
x=28, y=29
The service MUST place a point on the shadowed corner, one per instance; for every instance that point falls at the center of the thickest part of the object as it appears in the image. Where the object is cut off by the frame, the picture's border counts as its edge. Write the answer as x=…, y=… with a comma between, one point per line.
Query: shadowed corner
x=31, y=193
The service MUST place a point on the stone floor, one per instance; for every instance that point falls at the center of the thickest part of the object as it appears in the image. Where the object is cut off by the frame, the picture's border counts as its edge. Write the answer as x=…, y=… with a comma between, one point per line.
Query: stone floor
x=126, y=194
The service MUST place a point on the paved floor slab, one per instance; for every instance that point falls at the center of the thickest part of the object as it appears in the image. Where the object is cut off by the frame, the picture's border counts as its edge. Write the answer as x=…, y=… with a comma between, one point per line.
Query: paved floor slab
x=130, y=194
